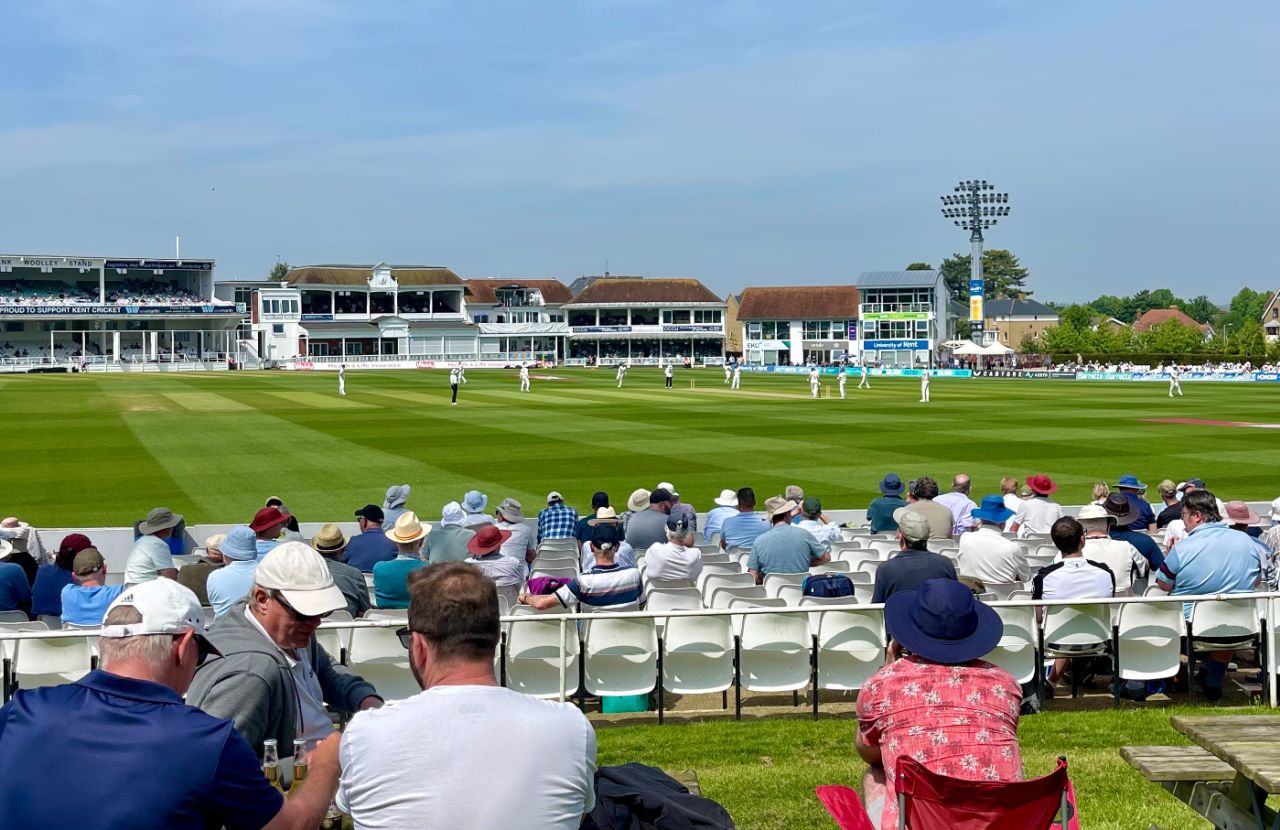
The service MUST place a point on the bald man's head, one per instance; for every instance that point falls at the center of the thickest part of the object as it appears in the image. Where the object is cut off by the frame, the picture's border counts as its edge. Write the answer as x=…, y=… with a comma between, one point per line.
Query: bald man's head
x=960, y=484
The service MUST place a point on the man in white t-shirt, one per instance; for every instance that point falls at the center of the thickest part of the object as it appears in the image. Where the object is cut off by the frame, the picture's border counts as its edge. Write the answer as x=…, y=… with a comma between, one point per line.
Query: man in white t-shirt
x=844, y=379
x=864, y=383
x=1037, y=514
x=151, y=556
x=1073, y=577
x=493, y=757
x=728, y=373
x=821, y=528
x=677, y=558
x=1121, y=557
x=342, y=379
x=924, y=386
x=985, y=553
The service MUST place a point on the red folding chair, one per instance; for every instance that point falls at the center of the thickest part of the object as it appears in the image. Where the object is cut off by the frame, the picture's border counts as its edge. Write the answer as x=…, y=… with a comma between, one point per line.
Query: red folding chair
x=928, y=801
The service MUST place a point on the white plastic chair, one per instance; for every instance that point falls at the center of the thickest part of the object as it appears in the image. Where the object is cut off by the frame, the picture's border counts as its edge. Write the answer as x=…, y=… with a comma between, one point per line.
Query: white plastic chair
x=839, y=566
x=721, y=596
x=51, y=662
x=717, y=558
x=13, y=617
x=1149, y=642
x=757, y=602
x=708, y=582
x=869, y=567
x=885, y=547
x=773, y=654
x=377, y=655
x=773, y=583
x=1016, y=651
x=731, y=568
x=562, y=572
x=570, y=546
x=849, y=648
x=1224, y=624
x=533, y=657
x=673, y=599
x=1073, y=631
x=336, y=641
x=790, y=594
x=620, y=656
x=697, y=655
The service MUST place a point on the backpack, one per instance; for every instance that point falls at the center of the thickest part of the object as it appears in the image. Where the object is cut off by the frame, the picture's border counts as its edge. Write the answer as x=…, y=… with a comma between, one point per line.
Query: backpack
x=828, y=585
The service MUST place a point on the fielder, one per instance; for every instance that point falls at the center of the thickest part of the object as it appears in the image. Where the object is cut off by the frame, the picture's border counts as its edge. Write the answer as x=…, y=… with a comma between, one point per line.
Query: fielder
x=728, y=373
x=737, y=376
x=622, y=373
x=457, y=375
x=864, y=383
x=524, y=377
x=1175, y=382
x=813, y=381
x=342, y=379
x=667, y=375
x=843, y=380
x=924, y=386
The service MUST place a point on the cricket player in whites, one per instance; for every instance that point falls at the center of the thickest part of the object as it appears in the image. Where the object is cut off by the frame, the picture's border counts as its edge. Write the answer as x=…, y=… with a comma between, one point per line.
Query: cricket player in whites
x=813, y=381
x=864, y=383
x=342, y=379
x=622, y=373
x=667, y=374
x=1175, y=381
x=737, y=376
x=924, y=386
x=457, y=375
x=524, y=377
x=844, y=378
x=728, y=373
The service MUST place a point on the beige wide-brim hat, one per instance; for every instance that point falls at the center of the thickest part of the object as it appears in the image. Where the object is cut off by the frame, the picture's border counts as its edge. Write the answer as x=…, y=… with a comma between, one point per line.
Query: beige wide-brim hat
x=604, y=515
x=329, y=539
x=638, y=501
x=407, y=529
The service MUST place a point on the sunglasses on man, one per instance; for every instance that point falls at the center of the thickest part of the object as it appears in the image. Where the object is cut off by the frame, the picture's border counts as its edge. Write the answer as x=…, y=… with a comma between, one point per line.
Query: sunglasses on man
x=297, y=615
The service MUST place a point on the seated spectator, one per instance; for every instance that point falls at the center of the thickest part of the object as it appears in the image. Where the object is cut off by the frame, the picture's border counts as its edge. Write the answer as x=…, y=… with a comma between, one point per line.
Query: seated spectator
x=127, y=722
x=742, y=530
x=1123, y=514
x=1172, y=506
x=231, y=583
x=507, y=573
x=448, y=542
x=985, y=553
x=937, y=701
x=1271, y=536
x=637, y=502
x=46, y=592
x=393, y=503
x=518, y=543
x=959, y=503
x=292, y=531
x=881, y=510
x=810, y=518
x=86, y=602
x=390, y=579
x=625, y=555
x=726, y=506
x=784, y=548
x=1121, y=558
x=471, y=724
x=268, y=524
x=582, y=532
x=151, y=555
x=1100, y=492
x=649, y=527
x=678, y=509
x=557, y=520
x=475, y=504
x=26, y=551
x=1037, y=513
x=914, y=564
x=1073, y=577
x=274, y=680
x=195, y=576
x=1132, y=489
x=371, y=545
x=330, y=543
x=922, y=492
x=605, y=584
x=15, y=591
x=677, y=558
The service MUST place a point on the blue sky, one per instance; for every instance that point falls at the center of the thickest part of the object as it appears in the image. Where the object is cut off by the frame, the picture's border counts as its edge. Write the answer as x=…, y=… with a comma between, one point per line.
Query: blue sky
x=742, y=142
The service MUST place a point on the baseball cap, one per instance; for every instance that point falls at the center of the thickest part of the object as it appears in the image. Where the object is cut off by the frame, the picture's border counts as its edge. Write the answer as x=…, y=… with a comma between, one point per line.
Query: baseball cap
x=166, y=608
x=554, y=496
x=372, y=512
x=913, y=525
x=811, y=506
x=300, y=574
x=669, y=487
x=87, y=561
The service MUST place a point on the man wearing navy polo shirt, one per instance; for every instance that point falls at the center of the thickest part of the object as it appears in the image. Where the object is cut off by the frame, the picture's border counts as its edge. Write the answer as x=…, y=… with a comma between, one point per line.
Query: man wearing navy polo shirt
x=152, y=761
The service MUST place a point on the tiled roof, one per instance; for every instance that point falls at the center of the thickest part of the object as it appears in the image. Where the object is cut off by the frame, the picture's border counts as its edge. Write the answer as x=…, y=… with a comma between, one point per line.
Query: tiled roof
x=604, y=290
x=360, y=274
x=553, y=291
x=803, y=302
x=1156, y=316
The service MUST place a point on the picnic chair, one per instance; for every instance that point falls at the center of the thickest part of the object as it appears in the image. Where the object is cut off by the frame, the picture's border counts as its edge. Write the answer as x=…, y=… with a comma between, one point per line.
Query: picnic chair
x=927, y=801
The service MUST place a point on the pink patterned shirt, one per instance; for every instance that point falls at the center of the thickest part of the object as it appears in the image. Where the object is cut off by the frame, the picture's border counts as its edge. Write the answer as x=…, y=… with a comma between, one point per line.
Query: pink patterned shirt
x=959, y=721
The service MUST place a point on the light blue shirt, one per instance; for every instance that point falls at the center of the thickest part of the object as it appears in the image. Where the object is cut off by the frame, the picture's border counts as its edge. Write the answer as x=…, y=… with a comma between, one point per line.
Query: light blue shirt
x=784, y=549
x=265, y=546
x=230, y=584
x=87, y=606
x=741, y=531
x=1212, y=559
x=715, y=521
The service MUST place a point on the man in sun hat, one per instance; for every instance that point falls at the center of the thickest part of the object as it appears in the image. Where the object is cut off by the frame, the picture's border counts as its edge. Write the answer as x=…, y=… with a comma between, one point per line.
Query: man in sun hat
x=985, y=553
x=726, y=506
x=507, y=573
x=679, y=510
x=649, y=527
x=582, y=532
x=268, y=523
x=1132, y=489
x=637, y=502
x=937, y=701
x=128, y=724
x=1123, y=514
x=914, y=563
x=625, y=555
x=448, y=542
x=518, y=544
x=151, y=556
x=330, y=543
x=557, y=520
x=391, y=578
x=274, y=679
x=880, y=511
x=1037, y=513
x=1122, y=558
x=371, y=545
x=476, y=505
x=231, y=583
x=784, y=548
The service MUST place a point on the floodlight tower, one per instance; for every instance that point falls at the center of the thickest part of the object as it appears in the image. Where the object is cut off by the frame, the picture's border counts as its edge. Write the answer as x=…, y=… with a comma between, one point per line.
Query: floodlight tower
x=974, y=206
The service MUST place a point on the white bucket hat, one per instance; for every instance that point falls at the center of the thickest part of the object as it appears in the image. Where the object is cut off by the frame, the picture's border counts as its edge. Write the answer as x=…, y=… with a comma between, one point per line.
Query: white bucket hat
x=301, y=575
x=728, y=498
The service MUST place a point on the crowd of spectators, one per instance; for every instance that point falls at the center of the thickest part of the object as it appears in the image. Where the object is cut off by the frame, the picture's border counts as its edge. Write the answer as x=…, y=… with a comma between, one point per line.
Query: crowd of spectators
x=125, y=292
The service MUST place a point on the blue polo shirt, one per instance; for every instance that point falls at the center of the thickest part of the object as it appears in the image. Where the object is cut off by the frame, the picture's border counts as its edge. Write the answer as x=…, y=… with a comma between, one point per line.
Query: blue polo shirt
x=368, y=549
x=742, y=530
x=154, y=763
x=1213, y=559
x=1145, y=545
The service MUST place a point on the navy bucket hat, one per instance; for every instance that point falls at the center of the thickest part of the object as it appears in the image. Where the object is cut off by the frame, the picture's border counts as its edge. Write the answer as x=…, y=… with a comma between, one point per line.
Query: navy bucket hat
x=943, y=622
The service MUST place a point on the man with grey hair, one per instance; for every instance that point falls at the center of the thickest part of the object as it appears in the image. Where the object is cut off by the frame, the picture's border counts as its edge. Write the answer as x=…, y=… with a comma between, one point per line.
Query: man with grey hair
x=677, y=558
x=126, y=721
x=959, y=503
x=923, y=492
x=793, y=492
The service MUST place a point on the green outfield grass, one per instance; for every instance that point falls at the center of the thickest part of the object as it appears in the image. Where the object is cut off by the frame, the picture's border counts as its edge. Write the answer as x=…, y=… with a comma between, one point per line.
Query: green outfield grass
x=101, y=449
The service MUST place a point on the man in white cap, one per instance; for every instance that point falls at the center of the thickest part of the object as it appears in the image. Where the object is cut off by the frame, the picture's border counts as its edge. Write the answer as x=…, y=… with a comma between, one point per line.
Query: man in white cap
x=557, y=520
x=156, y=762
x=274, y=679
x=391, y=578
x=151, y=556
x=726, y=506
x=448, y=542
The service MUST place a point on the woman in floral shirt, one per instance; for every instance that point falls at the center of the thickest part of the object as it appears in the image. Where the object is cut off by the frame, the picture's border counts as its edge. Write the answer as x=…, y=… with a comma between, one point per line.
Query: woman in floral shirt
x=938, y=703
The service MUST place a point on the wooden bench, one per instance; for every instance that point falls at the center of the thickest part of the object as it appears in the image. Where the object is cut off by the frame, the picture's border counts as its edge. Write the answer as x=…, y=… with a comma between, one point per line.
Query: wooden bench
x=1170, y=764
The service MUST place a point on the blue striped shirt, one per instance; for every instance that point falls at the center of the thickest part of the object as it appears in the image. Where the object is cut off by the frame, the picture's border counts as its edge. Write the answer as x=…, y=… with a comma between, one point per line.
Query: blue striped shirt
x=612, y=585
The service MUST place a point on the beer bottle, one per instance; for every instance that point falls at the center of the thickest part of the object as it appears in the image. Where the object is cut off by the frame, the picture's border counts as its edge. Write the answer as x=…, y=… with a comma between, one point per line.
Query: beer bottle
x=299, y=763
x=271, y=763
